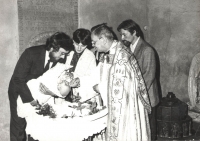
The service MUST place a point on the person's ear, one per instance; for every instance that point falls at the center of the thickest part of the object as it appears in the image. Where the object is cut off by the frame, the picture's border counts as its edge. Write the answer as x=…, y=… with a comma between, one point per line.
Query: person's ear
x=51, y=49
x=134, y=33
x=105, y=40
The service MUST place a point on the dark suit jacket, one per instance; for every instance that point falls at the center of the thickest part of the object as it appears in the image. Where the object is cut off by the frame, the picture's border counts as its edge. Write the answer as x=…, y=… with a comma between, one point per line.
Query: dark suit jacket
x=30, y=65
x=145, y=55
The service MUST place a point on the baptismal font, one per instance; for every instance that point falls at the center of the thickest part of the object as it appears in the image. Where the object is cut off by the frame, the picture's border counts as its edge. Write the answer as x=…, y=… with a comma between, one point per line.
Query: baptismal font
x=173, y=120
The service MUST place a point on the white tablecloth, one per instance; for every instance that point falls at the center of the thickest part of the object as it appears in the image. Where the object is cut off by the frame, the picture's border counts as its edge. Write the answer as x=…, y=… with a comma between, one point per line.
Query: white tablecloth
x=43, y=128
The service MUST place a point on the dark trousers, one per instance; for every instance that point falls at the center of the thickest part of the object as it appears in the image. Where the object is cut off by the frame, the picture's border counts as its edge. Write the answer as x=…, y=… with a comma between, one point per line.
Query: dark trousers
x=17, y=124
x=153, y=123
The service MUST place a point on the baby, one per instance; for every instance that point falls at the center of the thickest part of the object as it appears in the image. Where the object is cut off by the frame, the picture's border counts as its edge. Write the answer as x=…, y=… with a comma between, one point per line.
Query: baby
x=56, y=79
x=63, y=83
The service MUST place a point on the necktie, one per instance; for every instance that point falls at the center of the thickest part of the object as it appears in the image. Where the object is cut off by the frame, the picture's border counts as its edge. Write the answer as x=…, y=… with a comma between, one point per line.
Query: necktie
x=54, y=63
x=47, y=65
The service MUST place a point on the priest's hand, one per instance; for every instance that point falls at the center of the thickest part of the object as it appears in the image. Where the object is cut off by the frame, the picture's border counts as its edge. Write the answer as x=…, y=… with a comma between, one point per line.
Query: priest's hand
x=74, y=83
x=45, y=90
x=96, y=88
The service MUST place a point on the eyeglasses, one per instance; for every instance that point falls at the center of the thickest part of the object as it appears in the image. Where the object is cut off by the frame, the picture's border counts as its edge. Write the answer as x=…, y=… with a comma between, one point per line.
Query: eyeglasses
x=94, y=42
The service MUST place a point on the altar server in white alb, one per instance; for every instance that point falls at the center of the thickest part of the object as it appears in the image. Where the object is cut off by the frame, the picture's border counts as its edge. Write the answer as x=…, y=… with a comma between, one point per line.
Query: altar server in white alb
x=83, y=61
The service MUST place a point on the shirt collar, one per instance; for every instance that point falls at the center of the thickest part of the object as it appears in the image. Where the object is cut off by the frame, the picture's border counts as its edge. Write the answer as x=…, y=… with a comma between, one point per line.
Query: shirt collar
x=133, y=46
x=47, y=55
x=47, y=58
x=112, y=48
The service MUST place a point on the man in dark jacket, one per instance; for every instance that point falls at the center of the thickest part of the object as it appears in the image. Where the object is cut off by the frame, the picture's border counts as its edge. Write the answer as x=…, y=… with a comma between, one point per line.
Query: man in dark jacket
x=145, y=55
x=33, y=62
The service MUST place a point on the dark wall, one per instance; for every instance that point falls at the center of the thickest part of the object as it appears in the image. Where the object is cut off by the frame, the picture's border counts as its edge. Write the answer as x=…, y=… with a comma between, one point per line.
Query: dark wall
x=112, y=12
x=172, y=28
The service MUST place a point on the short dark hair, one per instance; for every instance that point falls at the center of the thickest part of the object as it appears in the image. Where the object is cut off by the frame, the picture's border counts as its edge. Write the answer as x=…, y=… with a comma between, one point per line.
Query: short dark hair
x=103, y=29
x=59, y=40
x=83, y=36
x=131, y=26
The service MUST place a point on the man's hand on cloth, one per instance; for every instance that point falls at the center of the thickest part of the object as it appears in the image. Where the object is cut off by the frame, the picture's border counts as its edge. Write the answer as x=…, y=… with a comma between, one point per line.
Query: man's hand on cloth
x=96, y=88
x=45, y=90
x=74, y=83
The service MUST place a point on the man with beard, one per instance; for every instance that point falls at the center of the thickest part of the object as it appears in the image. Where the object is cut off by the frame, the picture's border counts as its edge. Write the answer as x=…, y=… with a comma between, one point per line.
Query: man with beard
x=33, y=62
x=145, y=55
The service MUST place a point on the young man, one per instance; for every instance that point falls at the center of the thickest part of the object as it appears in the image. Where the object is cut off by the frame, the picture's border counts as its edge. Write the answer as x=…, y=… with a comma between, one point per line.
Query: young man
x=83, y=60
x=120, y=83
x=33, y=63
x=131, y=35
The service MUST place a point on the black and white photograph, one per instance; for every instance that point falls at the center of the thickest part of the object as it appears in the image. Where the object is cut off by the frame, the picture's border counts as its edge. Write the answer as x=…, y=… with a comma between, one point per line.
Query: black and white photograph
x=100, y=70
